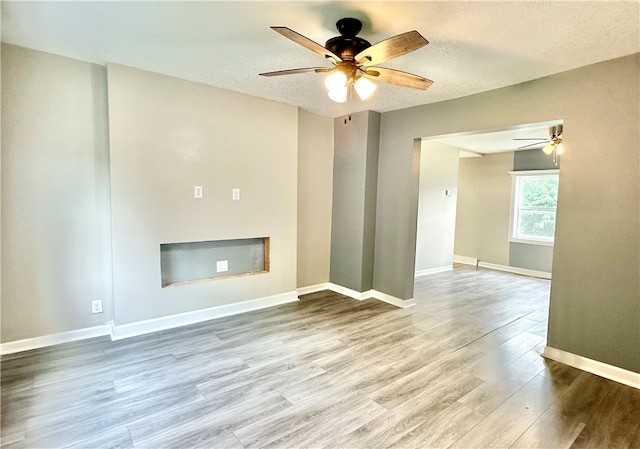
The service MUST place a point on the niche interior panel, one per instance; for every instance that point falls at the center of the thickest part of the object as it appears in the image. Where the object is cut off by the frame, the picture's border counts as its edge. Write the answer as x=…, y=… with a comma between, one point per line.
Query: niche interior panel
x=188, y=262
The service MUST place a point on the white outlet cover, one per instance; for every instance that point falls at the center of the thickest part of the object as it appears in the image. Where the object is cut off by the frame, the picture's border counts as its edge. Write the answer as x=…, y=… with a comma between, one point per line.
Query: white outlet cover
x=222, y=265
x=198, y=192
x=235, y=194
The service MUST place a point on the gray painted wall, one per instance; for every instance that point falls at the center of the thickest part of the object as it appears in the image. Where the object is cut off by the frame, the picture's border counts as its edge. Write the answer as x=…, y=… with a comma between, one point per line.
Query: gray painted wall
x=56, y=252
x=436, y=211
x=523, y=255
x=354, y=200
x=532, y=257
x=594, y=310
x=484, y=208
x=315, y=191
x=167, y=136
x=484, y=197
x=370, y=200
x=534, y=160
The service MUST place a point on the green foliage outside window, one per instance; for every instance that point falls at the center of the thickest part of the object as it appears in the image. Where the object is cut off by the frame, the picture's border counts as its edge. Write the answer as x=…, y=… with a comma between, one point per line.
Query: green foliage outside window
x=538, y=200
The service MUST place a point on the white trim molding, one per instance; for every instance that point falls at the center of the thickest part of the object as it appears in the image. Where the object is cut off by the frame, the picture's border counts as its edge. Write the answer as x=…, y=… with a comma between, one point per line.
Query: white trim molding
x=516, y=270
x=182, y=319
x=54, y=339
x=601, y=369
x=360, y=296
x=119, y=332
x=402, y=303
x=465, y=260
x=433, y=270
x=313, y=288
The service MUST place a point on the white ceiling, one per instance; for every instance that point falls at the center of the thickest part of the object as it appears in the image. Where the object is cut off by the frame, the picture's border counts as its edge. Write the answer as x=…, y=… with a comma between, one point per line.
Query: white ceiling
x=474, y=46
x=487, y=142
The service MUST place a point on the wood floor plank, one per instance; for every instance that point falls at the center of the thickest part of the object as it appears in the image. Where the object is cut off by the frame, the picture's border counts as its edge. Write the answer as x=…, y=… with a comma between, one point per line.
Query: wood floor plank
x=461, y=369
x=200, y=438
x=503, y=382
x=210, y=418
x=117, y=438
x=292, y=419
x=402, y=389
x=635, y=443
x=497, y=360
x=441, y=429
x=396, y=423
x=583, y=397
x=497, y=337
x=553, y=430
x=330, y=424
x=615, y=422
x=503, y=426
x=66, y=428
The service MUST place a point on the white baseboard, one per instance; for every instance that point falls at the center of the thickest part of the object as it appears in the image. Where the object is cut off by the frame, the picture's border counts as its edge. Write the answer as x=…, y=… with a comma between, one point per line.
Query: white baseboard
x=516, y=270
x=360, y=296
x=465, y=260
x=402, y=303
x=169, y=322
x=601, y=369
x=313, y=288
x=119, y=332
x=433, y=270
x=54, y=339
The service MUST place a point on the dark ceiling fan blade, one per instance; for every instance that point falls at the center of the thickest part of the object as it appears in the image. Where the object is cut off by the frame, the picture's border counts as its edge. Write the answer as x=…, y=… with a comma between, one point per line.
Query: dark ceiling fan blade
x=295, y=71
x=391, y=48
x=306, y=42
x=532, y=144
x=398, y=78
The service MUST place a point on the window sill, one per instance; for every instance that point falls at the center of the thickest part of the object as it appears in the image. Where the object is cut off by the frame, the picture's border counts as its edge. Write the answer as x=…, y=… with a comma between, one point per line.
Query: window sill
x=532, y=242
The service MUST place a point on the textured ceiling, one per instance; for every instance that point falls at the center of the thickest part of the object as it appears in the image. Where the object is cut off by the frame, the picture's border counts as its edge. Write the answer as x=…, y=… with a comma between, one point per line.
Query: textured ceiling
x=499, y=141
x=474, y=46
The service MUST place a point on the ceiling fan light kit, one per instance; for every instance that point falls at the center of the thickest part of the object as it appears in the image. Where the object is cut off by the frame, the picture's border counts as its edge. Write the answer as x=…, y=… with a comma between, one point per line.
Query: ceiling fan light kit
x=354, y=60
x=553, y=145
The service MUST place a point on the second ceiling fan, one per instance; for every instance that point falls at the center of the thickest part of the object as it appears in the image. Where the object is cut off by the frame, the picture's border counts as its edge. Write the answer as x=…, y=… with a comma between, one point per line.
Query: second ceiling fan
x=355, y=60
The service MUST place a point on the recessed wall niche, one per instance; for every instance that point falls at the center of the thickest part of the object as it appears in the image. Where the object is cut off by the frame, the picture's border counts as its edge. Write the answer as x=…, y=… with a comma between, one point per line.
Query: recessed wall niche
x=188, y=262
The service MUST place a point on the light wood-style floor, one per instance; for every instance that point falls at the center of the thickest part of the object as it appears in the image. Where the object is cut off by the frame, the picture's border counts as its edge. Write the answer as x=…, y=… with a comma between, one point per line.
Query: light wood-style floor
x=460, y=370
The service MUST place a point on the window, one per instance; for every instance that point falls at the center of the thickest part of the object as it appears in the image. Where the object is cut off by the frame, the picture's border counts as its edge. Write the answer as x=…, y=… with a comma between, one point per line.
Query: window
x=534, y=203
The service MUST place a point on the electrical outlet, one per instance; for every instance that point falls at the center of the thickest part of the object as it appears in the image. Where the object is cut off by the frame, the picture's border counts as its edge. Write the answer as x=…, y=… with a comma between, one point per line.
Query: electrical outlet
x=96, y=306
x=222, y=265
x=235, y=194
x=198, y=192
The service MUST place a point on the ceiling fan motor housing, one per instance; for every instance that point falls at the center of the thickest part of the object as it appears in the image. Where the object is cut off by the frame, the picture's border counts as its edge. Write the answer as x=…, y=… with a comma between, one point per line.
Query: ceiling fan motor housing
x=347, y=45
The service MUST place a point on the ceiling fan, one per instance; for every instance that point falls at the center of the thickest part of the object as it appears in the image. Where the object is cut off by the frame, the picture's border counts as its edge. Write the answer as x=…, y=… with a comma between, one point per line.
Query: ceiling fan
x=355, y=60
x=552, y=145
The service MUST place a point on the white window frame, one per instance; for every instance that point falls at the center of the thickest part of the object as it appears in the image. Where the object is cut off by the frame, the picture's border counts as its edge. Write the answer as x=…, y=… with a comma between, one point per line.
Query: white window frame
x=513, y=218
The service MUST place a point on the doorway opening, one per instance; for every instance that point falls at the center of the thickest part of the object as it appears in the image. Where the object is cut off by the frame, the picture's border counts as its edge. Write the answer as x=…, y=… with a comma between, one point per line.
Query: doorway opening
x=480, y=193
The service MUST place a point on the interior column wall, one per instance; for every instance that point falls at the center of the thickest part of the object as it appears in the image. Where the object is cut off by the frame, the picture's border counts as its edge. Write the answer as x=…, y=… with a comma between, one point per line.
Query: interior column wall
x=355, y=172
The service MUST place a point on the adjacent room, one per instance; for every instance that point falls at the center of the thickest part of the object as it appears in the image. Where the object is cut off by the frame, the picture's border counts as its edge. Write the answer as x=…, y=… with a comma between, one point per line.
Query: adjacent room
x=320, y=224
